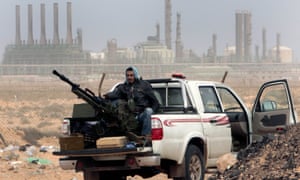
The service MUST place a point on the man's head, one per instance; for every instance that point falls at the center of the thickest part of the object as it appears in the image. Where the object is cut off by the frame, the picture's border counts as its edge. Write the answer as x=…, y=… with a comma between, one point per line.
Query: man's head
x=131, y=74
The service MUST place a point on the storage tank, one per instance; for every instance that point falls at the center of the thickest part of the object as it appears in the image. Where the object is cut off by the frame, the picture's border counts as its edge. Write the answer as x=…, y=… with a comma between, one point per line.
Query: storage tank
x=285, y=54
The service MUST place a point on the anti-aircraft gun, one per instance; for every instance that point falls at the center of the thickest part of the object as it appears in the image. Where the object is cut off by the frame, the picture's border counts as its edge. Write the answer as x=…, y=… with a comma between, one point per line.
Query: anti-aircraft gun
x=98, y=103
x=103, y=121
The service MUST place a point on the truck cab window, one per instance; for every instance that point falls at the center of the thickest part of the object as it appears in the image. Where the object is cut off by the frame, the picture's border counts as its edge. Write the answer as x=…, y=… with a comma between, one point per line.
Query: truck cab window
x=273, y=98
x=171, y=96
x=229, y=102
x=209, y=100
x=175, y=97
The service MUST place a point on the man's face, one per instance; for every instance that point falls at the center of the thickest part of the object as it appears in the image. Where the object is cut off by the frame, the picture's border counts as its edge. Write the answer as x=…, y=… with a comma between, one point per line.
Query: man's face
x=130, y=76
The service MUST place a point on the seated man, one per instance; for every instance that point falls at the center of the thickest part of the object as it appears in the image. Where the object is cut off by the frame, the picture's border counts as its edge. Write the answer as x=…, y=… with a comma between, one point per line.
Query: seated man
x=140, y=101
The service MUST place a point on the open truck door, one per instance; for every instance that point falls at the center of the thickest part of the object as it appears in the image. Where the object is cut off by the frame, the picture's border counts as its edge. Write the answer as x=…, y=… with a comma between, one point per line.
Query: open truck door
x=273, y=109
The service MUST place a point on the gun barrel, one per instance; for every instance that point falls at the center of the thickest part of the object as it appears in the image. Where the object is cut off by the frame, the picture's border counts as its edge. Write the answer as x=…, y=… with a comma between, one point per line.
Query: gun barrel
x=86, y=95
x=63, y=78
x=55, y=72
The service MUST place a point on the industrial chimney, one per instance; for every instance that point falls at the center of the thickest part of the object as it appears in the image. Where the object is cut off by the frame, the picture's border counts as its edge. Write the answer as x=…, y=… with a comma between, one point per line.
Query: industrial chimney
x=55, y=24
x=18, y=26
x=69, y=23
x=257, y=53
x=157, y=33
x=247, y=36
x=239, y=35
x=168, y=23
x=264, y=44
x=214, y=47
x=79, y=37
x=179, y=48
x=43, y=40
x=30, y=29
x=278, y=48
x=243, y=36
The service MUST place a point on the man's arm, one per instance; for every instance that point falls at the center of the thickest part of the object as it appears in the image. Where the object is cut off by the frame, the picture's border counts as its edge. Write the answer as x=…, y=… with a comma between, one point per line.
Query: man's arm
x=152, y=98
x=115, y=94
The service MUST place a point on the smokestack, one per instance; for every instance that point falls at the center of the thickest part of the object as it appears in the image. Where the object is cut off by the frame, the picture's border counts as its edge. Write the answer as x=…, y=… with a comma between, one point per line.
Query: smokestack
x=55, y=24
x=257, y=53
x=43, y=25
x=112, y=50
x=158, y=33
x=79, y=37
x=178, y=28
x=179, y=47
x=18, y=26
x=239, y=35
x=30, y=29
x=264, y=44
x=247, y=36
x=278, y=47
x=214, y=46
x=168, y=23
x=69, y=23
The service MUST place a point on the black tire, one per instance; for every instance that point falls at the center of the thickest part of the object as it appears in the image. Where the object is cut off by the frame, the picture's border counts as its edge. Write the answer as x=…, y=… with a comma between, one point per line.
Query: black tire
x=90, y=175
x=113, y=175
x=148, y=172
x=194, y=164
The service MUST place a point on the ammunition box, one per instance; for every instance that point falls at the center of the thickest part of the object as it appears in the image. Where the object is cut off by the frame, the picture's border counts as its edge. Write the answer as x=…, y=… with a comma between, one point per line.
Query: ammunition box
x=73, y=142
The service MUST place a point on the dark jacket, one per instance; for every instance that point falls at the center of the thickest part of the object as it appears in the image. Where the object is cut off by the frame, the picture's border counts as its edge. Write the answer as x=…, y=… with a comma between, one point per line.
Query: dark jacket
x=140, y=91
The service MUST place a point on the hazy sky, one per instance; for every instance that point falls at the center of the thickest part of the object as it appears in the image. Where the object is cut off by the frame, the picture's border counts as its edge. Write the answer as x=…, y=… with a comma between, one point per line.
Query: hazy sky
x=131, y=21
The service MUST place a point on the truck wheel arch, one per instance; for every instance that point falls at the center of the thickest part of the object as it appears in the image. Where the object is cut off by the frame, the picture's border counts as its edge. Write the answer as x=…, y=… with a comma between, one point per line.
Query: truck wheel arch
x=192, y=157
x=201, y=145
x=197, y=141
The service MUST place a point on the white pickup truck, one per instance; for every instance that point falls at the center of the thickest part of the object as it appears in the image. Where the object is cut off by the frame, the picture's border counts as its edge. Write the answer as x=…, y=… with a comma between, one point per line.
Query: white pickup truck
x=198, y=121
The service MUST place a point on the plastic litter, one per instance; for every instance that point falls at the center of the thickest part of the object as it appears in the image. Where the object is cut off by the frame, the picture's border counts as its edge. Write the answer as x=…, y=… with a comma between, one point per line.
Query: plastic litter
x=35, y=160
x=130, y=144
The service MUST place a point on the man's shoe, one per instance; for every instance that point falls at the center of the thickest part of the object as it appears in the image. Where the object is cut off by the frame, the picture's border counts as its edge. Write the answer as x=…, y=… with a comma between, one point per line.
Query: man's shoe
x=133, y=137
x=148, y=141
x=145, y=141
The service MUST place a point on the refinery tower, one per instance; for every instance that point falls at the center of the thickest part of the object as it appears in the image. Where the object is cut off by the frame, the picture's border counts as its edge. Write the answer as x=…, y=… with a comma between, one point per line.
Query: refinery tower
x=45, y=51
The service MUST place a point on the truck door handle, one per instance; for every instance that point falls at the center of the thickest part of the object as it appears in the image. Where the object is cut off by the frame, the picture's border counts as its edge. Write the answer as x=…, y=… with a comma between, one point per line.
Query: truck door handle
x=213, y=121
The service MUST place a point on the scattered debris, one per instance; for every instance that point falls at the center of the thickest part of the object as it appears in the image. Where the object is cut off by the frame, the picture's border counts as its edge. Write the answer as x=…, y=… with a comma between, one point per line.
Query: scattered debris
x=10, y=155
x=47, y=149
x=31, y=151
x=38, y=161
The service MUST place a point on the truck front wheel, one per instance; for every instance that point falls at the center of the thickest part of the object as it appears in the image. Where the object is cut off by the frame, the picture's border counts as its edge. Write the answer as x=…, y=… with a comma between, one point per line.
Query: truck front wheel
x=194, y=164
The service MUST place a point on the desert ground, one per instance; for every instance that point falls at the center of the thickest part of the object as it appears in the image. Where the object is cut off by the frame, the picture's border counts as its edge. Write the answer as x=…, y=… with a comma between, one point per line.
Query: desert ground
x=31, y=111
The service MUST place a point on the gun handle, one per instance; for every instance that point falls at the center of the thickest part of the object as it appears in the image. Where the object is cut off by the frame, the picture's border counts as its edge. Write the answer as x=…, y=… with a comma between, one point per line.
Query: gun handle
x=89, y=91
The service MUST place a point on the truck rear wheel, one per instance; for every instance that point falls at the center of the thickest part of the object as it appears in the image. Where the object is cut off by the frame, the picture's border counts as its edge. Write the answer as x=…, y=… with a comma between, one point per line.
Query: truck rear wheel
x=194, y=164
